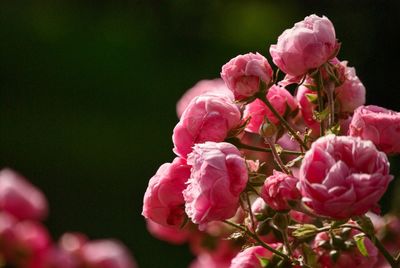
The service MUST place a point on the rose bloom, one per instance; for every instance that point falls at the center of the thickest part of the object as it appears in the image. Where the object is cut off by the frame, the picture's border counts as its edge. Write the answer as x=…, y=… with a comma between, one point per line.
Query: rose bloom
x=343, y=176
x=347, y=258
x=106, y=254
x=379, y=125
x=280, y=99
x=20, y=198
x=214, y=86
x=219, y=175
x=243, y=74
x=308, y=45
x=278, y=189
x=207, y=118
x=163, y=201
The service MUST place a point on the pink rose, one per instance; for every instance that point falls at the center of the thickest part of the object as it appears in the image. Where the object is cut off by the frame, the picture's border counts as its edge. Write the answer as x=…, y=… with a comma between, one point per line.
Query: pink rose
x=244, y=73
x=379, y=125
x=280, y=99
x=219, y=175
x=308, y=45
x=169, y=234
x=351, y=94
x=219, y=254
x=106, y=254
x=343, y=176
x=57, y=257
x=20, y=198
x=215, y=86
x=350, y=257
x=251, y=257
x=207, y=118
x=163, y=201
x=278, y=189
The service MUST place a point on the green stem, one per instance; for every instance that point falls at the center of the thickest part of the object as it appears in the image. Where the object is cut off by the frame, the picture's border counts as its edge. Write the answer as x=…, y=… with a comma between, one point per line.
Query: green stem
x=255, y=237
x=320, y=87
x=276, y=156
x=253, y=224
x=389, y=258
x=264, y=99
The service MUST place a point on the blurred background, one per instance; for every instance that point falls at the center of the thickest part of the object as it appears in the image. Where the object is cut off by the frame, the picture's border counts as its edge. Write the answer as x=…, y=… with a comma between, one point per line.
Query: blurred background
x=88, y=92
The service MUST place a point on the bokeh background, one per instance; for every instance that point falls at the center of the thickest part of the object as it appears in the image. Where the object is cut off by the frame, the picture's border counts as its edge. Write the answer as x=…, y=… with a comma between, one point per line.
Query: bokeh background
x=88, y=92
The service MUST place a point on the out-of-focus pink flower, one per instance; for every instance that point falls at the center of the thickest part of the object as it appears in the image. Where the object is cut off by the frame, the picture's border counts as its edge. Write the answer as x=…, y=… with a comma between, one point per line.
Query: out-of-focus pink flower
x=251, y=257
x=57, y=257
x=347, y=258
x=163, y=201
x=215, y=87
x=300, y=217
x=219, y=175
x=343, y=176
x=20, y=198
x=207, y=118
x=169, y=234
x=280, y=99
x=278, y=189
x=379, y=125
x=351, y=94
x=218, y=254
x=24, y=243
x=308, y=45
x=72, y=242
x=106, y=254
x=244, y=73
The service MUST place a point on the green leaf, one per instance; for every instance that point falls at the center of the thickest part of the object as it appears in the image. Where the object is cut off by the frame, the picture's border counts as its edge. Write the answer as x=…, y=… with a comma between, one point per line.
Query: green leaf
x=359, y=238
x=311, y=87
x=312, y=98
x=263, y=261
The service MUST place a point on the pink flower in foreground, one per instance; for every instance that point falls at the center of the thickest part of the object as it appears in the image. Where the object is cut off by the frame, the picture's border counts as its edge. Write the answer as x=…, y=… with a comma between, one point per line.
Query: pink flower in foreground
x=244, y=73
x=219, y=175
x=351, y=94
x=278, y=189
x=379, y=125
x=207, y=118
x=20, y=198
x=215, y=86
x=280, y=99
x=169, y=234
x=343, y=176
x=308, y=45
x=251, y=257
x=163, y=201
x=106, y=254
x=347, y=258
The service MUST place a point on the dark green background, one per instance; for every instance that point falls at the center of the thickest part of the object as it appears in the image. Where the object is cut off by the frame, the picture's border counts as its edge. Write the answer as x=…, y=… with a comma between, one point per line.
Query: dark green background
x=88, y=92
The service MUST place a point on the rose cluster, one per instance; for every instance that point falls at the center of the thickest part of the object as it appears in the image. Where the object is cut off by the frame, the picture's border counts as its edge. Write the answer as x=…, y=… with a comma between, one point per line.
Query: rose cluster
x=279, y=169
x=26, y=243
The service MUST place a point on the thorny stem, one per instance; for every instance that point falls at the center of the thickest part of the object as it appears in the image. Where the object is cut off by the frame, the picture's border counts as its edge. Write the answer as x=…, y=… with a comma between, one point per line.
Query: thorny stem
x=239, y=144
x=277, y=158
x=264, y=99
x=253, y=224
x=255, y=237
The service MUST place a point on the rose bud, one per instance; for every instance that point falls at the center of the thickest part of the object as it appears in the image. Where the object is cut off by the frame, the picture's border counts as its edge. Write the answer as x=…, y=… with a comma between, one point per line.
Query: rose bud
x=244, y=73
x=278, y=189
x=308, y=45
